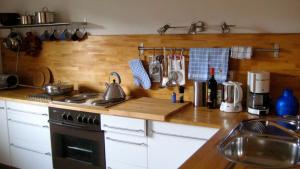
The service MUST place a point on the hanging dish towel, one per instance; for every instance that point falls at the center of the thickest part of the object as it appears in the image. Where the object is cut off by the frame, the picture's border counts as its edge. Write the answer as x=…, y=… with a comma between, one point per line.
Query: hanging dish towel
x=140, y=75
x=201, y=59
x=241, y=52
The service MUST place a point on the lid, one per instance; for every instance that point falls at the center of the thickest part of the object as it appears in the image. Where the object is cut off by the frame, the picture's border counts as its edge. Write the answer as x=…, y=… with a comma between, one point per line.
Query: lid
x=212, y=71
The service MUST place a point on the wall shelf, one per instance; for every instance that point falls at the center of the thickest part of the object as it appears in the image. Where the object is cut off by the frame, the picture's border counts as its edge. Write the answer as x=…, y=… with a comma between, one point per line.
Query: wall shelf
x=42, y=25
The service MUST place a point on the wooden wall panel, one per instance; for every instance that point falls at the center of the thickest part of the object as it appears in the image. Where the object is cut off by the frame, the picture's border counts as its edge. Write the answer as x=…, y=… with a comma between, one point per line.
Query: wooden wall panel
x=89, y=63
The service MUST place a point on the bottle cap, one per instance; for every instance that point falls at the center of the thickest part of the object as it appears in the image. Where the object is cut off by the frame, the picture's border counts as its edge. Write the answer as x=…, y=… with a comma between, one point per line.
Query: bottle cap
x=212, y=71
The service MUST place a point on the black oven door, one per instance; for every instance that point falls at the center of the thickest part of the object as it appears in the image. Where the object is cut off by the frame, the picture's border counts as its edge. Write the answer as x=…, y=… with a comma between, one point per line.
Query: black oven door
x=75, y=148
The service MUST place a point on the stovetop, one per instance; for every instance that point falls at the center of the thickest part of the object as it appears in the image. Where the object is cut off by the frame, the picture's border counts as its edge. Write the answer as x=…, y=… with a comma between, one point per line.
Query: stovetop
x=87, y=99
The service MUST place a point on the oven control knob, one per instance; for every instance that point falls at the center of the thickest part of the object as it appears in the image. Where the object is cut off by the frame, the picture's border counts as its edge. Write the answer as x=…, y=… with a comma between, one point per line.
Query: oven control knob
x=91, y=120
x=70, y=118
x=64, y=116
x=79, y=119
x=96, y=121
x=85, y=119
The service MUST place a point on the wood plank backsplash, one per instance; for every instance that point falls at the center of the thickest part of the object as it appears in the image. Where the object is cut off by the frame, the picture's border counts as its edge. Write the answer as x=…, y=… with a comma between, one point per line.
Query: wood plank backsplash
x=88, y=63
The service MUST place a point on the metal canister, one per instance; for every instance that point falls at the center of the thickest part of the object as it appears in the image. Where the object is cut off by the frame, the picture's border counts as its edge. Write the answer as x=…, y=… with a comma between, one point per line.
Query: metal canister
x=26, y=19
x=44, y=16
x=197, y=93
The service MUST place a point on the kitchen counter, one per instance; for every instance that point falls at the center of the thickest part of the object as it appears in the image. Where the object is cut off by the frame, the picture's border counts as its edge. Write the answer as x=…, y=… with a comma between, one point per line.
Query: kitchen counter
x=205, y=158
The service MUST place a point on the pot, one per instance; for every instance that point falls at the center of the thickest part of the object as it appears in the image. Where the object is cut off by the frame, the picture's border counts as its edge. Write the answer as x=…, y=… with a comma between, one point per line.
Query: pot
x=58, y=88
x=9, y=19
x=8, y=81
x=114, y=92
x=13, y=41
x=44, y=16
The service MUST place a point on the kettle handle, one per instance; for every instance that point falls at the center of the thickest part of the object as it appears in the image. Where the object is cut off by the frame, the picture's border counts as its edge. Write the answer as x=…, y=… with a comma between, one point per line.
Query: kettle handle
x=239, y=94
x=115, y=74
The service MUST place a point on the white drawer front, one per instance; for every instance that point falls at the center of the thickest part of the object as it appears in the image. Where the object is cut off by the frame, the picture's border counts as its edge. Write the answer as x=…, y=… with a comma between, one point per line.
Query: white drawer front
x=39, y=120
x=123, y=125
x=119, y=165
x=182, y=130
x=131, y=150
x=2, y=104
x=27, y=108
x=24, y=159
x=30, y=137
x=168, y=152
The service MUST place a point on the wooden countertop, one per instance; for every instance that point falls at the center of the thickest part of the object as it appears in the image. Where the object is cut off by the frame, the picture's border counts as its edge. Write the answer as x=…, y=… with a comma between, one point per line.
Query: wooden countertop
x=207, y=157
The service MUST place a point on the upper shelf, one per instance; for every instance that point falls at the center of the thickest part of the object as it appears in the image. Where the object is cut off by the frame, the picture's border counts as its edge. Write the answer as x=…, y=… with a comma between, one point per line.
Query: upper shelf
x=41, y=25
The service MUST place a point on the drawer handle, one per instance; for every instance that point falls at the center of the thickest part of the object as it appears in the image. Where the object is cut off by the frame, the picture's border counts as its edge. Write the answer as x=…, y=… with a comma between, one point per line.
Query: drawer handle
x=35, y=125
x=26, y=149
x=2, y=108
x=48, y=154
x=126, y=142
x=28, y=112
x=120, y=128
x=175, y=135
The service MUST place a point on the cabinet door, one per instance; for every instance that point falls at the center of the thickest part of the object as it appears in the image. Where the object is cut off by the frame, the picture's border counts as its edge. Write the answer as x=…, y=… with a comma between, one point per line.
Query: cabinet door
x=125, y=149
x=110, y=164
x=27, y=159
x=169, y=152
x=4, y=142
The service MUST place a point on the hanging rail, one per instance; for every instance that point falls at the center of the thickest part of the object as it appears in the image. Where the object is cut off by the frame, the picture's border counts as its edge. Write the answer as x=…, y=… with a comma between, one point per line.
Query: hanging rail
x=275, y=49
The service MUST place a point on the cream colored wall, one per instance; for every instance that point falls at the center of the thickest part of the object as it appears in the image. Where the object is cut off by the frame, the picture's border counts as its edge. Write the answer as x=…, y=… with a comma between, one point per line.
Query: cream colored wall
x=145, y=16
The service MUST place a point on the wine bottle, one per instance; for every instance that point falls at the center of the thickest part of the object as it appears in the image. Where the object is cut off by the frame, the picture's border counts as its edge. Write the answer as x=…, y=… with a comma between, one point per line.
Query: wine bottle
x=212, y=87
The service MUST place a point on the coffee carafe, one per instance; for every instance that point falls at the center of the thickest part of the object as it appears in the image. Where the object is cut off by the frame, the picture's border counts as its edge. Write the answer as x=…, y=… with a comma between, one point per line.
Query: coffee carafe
x=258, y=100
x=232, y=97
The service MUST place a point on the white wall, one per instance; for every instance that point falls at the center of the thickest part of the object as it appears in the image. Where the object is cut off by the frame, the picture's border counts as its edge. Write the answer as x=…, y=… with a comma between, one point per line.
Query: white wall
x=146, y=16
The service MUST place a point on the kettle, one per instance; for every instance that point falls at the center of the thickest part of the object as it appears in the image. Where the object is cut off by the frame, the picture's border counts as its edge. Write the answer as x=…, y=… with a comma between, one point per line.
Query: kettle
x=232, y=97
x=114, y=92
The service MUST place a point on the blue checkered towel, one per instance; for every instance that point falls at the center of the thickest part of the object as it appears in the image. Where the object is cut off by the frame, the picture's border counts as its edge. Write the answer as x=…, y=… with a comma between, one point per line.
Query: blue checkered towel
x=201, y=59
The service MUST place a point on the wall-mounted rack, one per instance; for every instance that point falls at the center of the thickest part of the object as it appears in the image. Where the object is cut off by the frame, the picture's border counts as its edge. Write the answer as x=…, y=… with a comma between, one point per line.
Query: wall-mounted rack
x=43, y=25
x=275, y=49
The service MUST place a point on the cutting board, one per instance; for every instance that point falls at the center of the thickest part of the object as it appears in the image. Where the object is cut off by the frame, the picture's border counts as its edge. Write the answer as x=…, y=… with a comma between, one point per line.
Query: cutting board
x=147, y=108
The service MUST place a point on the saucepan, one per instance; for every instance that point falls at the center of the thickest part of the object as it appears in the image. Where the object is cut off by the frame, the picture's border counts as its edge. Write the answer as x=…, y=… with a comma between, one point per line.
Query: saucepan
x=58, y=88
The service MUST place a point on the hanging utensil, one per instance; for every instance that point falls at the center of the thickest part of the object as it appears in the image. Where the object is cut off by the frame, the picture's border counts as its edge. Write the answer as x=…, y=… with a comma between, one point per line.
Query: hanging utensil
x=165, y=69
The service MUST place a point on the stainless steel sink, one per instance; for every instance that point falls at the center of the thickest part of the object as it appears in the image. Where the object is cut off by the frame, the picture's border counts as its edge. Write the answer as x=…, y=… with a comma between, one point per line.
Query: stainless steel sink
x=269, y=143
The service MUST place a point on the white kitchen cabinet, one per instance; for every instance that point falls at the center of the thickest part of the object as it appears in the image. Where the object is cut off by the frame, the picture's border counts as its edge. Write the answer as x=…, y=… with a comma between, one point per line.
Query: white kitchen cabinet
x=28, y=159
x=4, y=141
x=123, y=125
x=169, y=145
x=29, y=136
x=125, y=150
x=125, y=142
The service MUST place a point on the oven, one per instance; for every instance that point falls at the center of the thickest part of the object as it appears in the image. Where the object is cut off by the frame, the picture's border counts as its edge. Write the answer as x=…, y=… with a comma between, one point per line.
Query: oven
x=77, y=140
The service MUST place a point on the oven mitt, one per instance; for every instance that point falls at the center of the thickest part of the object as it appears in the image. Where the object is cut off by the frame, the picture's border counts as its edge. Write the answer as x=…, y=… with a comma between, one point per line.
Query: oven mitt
x=140, y=75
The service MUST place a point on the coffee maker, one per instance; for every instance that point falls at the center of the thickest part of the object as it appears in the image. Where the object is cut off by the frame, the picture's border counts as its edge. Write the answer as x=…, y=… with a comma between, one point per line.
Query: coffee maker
x=258, y=91
x=232, y=97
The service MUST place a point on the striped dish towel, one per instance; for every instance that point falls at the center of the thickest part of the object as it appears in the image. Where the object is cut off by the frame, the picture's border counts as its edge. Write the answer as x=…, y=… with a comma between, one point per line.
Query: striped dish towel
x=201, y=59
